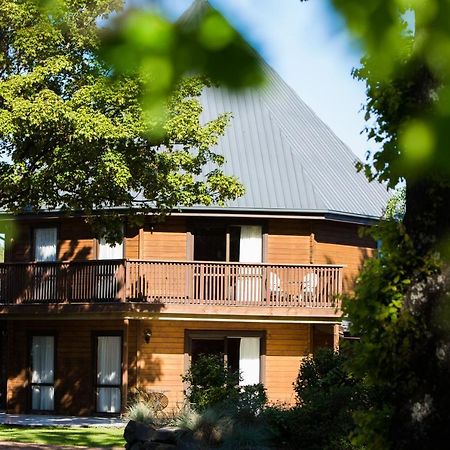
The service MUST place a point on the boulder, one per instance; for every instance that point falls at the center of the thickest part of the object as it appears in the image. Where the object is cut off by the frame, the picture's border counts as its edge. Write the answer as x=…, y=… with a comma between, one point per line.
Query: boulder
x=138, y=432
x=167, y=435
x=158, y=446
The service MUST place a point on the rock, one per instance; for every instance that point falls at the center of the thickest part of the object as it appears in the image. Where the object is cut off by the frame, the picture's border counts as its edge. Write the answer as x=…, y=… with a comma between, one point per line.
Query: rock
x=138, y=432
x=136, y=446
x=158, y=446
x=166, y=435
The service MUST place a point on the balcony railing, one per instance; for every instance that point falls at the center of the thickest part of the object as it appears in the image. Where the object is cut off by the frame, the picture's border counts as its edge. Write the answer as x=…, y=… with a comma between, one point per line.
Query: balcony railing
x=170, y=282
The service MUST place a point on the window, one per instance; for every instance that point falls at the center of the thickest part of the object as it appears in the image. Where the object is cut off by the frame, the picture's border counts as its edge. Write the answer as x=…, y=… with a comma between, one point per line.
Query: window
x=244, y=243
x=107, y=251
x=249, y=246
x=242, y=351
x=2, y=247
x=45, y=241
x=42, y=373
x=109, y=373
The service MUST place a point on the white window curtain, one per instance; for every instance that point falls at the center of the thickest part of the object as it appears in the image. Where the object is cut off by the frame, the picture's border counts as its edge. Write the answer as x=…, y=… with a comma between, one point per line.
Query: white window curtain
x=249, y=360
x=107, y=282
x=248, y=285
x=250, y=244
x=109, y=373
x=45, y=244
x=2, y=247
x=42, y=372
x=107, y=251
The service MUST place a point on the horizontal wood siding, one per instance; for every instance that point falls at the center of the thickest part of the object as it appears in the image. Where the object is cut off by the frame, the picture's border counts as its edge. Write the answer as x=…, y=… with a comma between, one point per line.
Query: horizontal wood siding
x=319, y=242
x=162, y=360
x=74, y=364
x=165, y=241
x=18, y=242
x=341, y=244
x=76, y=240
x=132, y=242
x=288, y=242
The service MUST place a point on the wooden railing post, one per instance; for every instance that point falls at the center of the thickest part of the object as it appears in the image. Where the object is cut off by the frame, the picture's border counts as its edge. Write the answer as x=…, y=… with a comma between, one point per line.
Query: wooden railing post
x=121, y=280
x=177, y=282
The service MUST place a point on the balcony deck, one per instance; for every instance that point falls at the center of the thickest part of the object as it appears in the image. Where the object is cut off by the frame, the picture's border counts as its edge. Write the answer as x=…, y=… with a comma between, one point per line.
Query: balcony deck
x=176, y=286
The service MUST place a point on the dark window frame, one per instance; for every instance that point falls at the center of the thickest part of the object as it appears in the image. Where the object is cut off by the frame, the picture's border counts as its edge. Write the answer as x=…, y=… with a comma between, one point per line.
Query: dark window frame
x=190, y=334
x=33, y=240
x=195, y=226
x=30, y=336
x=95, y=336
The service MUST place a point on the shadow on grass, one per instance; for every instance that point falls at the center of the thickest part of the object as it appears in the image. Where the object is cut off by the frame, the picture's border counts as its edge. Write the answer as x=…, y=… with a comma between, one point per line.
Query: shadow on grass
x=77, y=436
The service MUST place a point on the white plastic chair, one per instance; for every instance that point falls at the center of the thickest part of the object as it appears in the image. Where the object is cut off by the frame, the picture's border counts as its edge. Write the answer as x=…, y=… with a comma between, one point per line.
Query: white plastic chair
x=309, y=284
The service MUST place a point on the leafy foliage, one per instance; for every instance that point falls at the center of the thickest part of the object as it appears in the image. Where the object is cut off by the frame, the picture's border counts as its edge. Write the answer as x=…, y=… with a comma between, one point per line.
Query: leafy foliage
x=396, y=206
x=400, y=310
x=223, y=414
x=210, y=382
x=327, y=395
x=400, y=304
x=80, y=134
x=406, y=69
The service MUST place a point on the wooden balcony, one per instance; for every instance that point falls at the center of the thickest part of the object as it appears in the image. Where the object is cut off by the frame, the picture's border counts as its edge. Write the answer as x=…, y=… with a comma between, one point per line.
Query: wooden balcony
x=197, y=284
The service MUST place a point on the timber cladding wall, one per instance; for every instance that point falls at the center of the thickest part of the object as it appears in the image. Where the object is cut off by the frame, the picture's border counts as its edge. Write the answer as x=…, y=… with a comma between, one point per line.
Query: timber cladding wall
x=165, y=241
x=156, y=366
x=319, y=242
x=74, y=362
x=162, y=361
x=289, y=242
x=75, y=239
x=340, y=243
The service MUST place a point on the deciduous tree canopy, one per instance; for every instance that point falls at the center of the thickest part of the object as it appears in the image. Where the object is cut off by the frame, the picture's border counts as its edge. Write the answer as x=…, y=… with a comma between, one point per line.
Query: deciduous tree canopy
x=400, y=307
x=81, y=132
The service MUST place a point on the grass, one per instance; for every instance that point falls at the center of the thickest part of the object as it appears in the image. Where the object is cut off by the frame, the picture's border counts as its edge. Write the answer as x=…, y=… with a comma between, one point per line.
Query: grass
x=70, y=436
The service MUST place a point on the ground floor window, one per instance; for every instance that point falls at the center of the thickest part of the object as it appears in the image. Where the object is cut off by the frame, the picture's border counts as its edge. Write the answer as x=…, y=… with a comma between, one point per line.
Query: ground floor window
x=241, y=351
x=109, y=374
x=42, y=373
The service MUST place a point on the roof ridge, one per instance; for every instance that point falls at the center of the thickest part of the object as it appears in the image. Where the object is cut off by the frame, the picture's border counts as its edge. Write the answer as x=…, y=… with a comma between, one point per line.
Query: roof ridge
x=192, y=16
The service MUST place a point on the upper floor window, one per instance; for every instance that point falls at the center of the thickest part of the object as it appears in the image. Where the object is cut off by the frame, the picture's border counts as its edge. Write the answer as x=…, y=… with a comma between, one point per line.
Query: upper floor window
x=246, y=244
x=107, y=251
x=2, y=247
x=235, y=243
x=45, y=242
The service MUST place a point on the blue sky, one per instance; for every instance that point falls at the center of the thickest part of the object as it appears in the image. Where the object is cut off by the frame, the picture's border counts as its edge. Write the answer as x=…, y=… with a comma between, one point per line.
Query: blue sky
x=303, y=42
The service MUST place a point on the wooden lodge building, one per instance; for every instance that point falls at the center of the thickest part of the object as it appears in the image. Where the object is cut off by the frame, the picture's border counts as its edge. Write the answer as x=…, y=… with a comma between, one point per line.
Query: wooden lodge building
x=82, y=323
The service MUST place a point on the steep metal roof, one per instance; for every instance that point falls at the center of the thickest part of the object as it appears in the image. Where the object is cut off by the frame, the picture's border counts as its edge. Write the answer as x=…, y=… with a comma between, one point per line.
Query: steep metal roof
x=286, y=157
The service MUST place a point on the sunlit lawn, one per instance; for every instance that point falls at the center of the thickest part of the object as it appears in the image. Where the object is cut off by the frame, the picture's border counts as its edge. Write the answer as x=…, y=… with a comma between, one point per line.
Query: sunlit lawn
x=76, y=436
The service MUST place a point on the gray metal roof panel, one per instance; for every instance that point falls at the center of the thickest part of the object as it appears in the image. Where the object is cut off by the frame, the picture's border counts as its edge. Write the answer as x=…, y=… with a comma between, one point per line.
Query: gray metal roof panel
x=285, y=156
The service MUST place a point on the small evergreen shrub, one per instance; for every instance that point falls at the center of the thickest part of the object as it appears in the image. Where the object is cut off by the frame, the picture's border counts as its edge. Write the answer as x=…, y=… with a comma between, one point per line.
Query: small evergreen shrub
x=210, y=383
x=227, y=416
x=327, y=395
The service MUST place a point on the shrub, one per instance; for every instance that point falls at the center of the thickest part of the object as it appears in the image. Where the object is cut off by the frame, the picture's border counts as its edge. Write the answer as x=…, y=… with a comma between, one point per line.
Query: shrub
x=225, y=415
x=327, y=395
x=141, y=412
x=186, y=417
x=280, y=422
x=210, y=382
x=142, y=408
x=251, y=400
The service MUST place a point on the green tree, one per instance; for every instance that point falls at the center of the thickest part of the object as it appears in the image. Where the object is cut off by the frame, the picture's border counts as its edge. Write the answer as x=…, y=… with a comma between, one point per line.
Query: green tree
x=78, y=132
x=400, y=305
x=396, y=205
x=327, y=396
